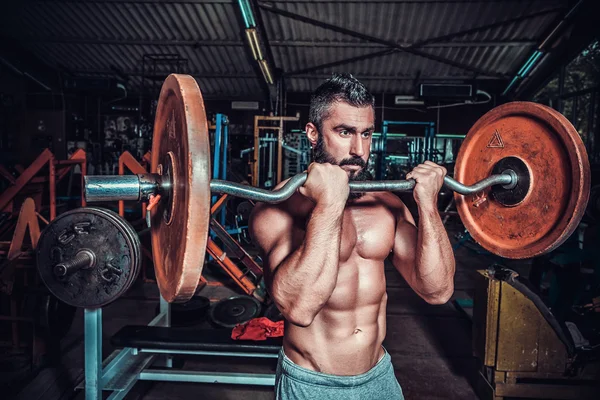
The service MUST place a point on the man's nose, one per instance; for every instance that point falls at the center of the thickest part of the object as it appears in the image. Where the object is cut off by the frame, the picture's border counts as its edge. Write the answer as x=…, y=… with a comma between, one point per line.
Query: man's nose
x=357, y=148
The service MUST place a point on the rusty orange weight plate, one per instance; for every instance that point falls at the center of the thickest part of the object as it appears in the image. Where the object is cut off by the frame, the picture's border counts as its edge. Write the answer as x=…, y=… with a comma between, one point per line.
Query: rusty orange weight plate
x=559, y=186
x=180, y=221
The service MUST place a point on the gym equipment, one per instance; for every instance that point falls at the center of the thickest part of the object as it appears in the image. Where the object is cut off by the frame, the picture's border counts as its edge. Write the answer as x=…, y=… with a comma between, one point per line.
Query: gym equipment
x=189, y=313
x=503, y=159
x=524, y=349
x=51, y=317
x=549, y=199
x=515, y=205
x=180, y=189
x=273, y=313
x=145, y=353
x=235, y=310
x=88, y=257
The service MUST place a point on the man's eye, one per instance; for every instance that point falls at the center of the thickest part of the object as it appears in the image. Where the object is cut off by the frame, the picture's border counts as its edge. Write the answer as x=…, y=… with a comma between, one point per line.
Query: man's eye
x=366, y=134
x=344, y=133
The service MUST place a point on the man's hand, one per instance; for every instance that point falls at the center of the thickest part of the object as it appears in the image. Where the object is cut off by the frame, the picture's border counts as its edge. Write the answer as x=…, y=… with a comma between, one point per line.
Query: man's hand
x=430, y=178
x=326, y=184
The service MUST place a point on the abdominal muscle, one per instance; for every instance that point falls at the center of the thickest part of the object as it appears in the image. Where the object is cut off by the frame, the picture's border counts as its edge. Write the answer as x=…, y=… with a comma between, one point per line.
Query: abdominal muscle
x=346, y=335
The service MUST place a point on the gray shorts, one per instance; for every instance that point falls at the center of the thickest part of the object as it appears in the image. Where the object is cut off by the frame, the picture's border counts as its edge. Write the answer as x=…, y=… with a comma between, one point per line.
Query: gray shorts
x=295, y=382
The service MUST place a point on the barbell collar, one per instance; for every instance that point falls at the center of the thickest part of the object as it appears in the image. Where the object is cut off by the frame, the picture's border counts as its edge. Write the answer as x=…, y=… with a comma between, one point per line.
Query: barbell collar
x=121, y=187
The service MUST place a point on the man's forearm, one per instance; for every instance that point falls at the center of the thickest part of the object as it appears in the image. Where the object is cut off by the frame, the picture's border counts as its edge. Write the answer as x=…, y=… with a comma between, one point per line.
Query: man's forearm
x=305, y=280
x=434, y=269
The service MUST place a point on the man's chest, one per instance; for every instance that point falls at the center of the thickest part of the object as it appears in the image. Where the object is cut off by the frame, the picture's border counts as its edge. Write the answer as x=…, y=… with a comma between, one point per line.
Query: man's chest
x=367, y=232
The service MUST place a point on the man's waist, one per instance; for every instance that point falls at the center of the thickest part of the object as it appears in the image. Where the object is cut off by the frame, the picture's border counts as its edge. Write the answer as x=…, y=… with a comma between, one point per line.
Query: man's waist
x=336, y=358
x=331, y=377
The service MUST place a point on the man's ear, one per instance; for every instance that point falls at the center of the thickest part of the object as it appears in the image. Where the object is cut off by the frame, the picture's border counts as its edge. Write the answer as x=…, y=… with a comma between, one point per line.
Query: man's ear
x=312, y=133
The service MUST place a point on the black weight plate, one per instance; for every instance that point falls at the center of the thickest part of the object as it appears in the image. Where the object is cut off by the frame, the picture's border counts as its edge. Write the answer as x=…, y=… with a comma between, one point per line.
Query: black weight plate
x=189, y=313
x=244, y=209
x=235, y=310
x=109, y=237
x=56, y=317
x=273, y=313
x=132, y=235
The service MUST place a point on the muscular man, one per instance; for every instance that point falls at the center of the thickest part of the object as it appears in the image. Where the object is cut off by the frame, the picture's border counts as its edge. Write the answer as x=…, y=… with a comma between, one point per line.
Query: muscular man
x=324, y=251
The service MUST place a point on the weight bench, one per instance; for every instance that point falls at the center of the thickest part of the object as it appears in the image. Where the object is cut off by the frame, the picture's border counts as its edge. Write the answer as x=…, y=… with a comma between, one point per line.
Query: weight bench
x=142, y=347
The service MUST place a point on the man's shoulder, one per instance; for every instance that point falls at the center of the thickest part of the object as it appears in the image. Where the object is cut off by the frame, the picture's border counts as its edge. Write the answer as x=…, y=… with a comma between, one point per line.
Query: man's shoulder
x=388, y=200
x=296, y=205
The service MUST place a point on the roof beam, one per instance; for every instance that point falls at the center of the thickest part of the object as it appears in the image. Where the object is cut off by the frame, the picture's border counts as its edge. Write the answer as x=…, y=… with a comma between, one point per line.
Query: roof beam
x=26, y=65
x=399, y=78
x=299, y=75
x=131, y=42
x=296, y=1
x=269, y=7
x=496, y=43
x=274, y=43
x=486, y=27
x=197, y=74
x=138, y=1
x=342, y=62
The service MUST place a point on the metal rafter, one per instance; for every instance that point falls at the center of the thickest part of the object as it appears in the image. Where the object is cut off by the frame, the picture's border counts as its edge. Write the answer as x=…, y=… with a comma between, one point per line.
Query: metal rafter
x=443, y=38
x=272, y=43
x=390, y=44
x=198, y=74
x=342, y=62
x=399, y=77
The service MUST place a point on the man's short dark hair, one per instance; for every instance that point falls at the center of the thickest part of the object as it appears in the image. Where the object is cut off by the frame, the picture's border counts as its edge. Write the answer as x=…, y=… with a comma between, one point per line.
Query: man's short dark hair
x=339, y=88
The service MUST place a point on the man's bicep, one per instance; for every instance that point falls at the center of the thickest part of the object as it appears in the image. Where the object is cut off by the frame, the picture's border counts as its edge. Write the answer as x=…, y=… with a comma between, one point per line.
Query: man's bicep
x=405, y=243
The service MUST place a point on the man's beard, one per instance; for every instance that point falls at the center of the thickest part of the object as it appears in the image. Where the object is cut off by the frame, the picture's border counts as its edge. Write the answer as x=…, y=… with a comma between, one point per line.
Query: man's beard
x=321, y=156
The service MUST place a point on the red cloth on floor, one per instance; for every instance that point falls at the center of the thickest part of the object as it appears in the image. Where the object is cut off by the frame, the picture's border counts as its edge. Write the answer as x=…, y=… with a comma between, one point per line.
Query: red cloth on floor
x=257, y=329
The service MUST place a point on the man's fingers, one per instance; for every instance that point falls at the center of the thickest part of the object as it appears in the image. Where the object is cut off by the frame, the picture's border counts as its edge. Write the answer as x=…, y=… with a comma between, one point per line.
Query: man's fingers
x=422, y=170
x=438, y=169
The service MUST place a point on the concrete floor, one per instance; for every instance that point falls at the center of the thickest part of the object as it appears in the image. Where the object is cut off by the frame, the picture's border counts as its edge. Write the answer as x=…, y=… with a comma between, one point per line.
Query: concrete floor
x=430, y=345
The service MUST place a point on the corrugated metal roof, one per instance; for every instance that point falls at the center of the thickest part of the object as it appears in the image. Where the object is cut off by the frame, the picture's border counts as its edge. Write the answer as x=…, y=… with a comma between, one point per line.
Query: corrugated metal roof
x=410, y=22
x=104, y=36
x=498, y=49
x=130, y=20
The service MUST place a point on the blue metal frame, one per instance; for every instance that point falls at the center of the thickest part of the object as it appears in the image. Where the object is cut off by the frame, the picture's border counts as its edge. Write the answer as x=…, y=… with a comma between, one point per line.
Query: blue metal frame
x=427, y=150
x=123, y=368
x=220, y=155
x=120, y=371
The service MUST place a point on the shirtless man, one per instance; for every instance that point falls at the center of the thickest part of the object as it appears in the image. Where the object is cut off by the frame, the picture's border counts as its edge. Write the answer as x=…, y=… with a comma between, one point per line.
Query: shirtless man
x=324, y=251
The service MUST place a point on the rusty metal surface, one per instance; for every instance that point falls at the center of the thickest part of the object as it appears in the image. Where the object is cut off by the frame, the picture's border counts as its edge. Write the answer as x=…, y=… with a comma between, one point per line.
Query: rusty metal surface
x=27, y=219
x=26, y=175
x=178, y=246
x=560, y=179
x=486, y=309
x=518, y=332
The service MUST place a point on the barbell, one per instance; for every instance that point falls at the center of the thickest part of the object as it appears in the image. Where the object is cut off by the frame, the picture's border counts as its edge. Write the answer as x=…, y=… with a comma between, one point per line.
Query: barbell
x=522, y=185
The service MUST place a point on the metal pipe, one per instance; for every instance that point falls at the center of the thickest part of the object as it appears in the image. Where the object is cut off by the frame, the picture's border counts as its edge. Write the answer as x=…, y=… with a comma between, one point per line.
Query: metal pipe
x=286, y=191
x=258, y=194
x=112, y=188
